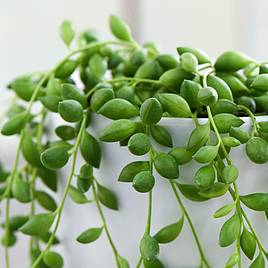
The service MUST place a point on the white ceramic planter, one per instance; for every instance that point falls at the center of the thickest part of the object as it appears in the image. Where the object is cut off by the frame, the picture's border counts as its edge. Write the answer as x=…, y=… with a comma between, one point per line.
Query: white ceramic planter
x=127, y=225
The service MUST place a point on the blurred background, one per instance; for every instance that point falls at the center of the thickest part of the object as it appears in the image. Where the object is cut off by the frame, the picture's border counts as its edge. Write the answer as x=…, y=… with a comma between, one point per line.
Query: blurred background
x=29, y=38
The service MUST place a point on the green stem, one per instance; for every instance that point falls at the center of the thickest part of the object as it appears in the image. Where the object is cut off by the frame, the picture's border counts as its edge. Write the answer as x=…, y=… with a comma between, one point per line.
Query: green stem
x=60, y=208
x=133, y=79
x=184, y=211
x=116, y=254
x=252, y=117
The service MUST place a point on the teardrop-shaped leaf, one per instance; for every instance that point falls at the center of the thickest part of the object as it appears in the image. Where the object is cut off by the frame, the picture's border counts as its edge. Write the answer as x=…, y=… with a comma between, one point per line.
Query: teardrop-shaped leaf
x=169, y=232
x=225, y=121
x=150, y=69
x=97, y=65
x=71, y=110
x=200, y=55
x=181, y=155
x=218, y=189
x=90, y=149
x=66, y=69
x=51, y=102
x=15, y=124
x=206, y=153
x=149, y=248
x=258, y=262
x=118, y=109
x=230, y=231
x=260, y=83
x=90, y=235
x=21, y=189
x=77, y=196
x=45, y=200
x=71, y=92
x=65, y=132
x=248, y=243
x=223, y=211
x=67, y=32
x=161, y=135
x=256, y=201
x=107, y=197
x=232, y=261
x=188, y=62
x=191, y=192
x=123, y=262
x=53, y=259
x=119, y=28
x=100, y=97
x=49, y=178
x=189, y=91
x=132, y=169
x=38, y=224
x=15, y=222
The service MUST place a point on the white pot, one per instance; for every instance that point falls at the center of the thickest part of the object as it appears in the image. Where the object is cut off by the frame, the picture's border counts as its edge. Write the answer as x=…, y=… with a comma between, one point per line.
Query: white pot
x=127, y=225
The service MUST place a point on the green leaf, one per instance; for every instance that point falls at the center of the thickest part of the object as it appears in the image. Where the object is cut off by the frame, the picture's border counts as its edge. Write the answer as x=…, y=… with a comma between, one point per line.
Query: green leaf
x=230, y=174
x=132, y=169
x=223, y=211
x=189, y=91
x=232, y=261
x=71, y=110
x=54, y=158
x=149, y=248
x=8, y=239
x=191, y=192
x=205, y=177
x=155, y=263
x=175, y=105
x=181, y=155
x=206, y=153
x=30, y=151
x=143, y=182
x=123, y=262
x=207, y=96
x=161, y=135
x=198, y=137
x=53, y=86
x=240, y=134
x=45, y=200
x=51, y=102
x=98, y=65
x=232, y=61
x=15, y=124
x=67, y=32
x=218, y=189
x=188, y=62
x=173, y=78
x=200, y=55
x=169, y=232
x=65, y=132
x=167, y=61
x=257, y=150
x=230, y=231
x=151, y=111
x=118, y=109
x=90, y=235
x=222, y=88
x=166, y=166
x=71, y=92
x=224, y=106
x=100, y=97
x=139, y=144
x=256, y=201
x=150, y=69
x=38, y=224
x=90, y=149
x=118, y=130
x=15, y=222
x=53, y=259
x=230, y=141
x=49, y=178
x=77, y=196
x=21, y=189
x=66, y=69
x=260, y=83
x=107, y=197
x=248, y=243
x=225, y=121
x=262, y=102
x=119, y=28
x=258, y=262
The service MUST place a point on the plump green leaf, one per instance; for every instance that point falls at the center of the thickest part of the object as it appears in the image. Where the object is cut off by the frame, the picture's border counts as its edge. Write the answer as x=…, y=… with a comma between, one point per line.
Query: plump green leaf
x=143, y=182
x=257, y=150
x=21, y=189
x=230, y=231
x=90, y=149
x=260, y=83
x=90, y=235
x=175, y=105
x=224, y=106
x=223, y=211
x=119, y=28
x=232, y=61
x=262, y=102
x=51, y=102
x=161, y=135
x=15, y=222
x=77, y=196
x=155, y=263
x=53, y=86
x=256, y=201
x=230, y=174
x=150, y=69
x=248, y=102
x=230, y=141
x=218, y=189
x=167, y=61
x=15, y=124
x=67, y=32
x=66, y=69
x=98, y=65
x=198, y=137
x=118, y=130
x=248, y=243
x=107, y=197
x=206, y=153
x=71, y=92
x=169, y=232
x=100, y=97
x=55, y=157
x=200, y=55
x=71, y=110
x=8, y=239
x=132, y=169
x=207, y=96
x=166, y=166
x=45, y=200
x=49, y=178
x=232, y=261
x=189, y=91
x=139, y=144
x=151, y=111
x=181, y=155
x=225, y=121
x=188, y=62
x=205, y=177
x=123, y=262
x=149, y=248
x=223, y=90
x=38, y=224
x=118, y=109
x=53, y=259
x=191, y=192
x=240, y=134
x=65, y=132
x=258, y=262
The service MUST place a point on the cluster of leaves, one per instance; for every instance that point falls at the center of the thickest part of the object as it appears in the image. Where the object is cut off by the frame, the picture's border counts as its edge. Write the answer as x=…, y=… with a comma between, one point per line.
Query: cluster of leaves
x=135, y=87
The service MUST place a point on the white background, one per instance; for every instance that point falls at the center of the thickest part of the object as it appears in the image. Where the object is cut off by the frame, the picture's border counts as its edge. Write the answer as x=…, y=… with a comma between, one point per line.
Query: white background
x=29, y=37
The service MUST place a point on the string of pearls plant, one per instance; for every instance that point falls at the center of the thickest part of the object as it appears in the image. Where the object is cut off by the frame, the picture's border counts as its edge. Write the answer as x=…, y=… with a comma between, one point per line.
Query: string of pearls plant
x=135, y=86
